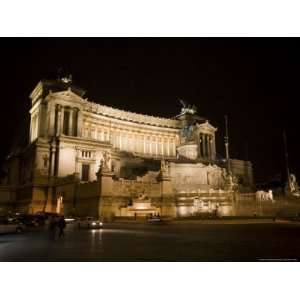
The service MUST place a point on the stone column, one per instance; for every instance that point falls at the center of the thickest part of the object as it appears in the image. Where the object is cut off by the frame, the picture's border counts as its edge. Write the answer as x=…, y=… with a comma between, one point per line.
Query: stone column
x=174, y=148
x=79, y=123
x=120, y=140
x=42, y=113
x=156, y=147
x=51, y=125
x=150, y=145
x=199, y=146
x=62, y=116
x=168, y=147
x=37, y=121
x=70, y=132
x=213, y=147
x=52, y=160
x=203, y=145
x=209, y=146
x=58, y=120
x=135, y=143
x=30, y=130
x=144, y=146
x=32, y=127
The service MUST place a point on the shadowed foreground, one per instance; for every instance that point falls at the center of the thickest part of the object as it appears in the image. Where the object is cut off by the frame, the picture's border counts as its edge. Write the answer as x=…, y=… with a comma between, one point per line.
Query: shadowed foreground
x=182, y=241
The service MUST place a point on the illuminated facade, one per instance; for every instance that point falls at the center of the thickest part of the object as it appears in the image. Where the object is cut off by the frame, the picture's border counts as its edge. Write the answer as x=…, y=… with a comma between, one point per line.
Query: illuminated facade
x=89, y=159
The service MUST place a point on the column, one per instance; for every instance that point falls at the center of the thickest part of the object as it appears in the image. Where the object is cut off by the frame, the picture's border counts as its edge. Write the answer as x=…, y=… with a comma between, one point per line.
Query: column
x=52, y=160
x=199, y=146
x=79, y=123
x=144, y=144
x=156, y=147
x=42, y=119
x=168, y=147
x=135, y=143
x=70, y=132
x=37, y=124
x=120, y=140
x=30, y=134
x=150, y=145
x=209, y=146
x=58, y=120
x=174, y=147
x=62, y=115
x=202, y=145
x=51, y=120
x=32, y=127
x=213, y=148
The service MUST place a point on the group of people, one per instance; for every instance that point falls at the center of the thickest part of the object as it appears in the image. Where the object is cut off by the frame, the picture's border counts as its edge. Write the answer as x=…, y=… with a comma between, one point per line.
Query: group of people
x=57, y=224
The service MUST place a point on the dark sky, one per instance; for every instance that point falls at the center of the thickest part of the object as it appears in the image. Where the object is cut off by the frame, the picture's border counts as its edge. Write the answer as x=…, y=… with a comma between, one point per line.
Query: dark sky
x=254, y=81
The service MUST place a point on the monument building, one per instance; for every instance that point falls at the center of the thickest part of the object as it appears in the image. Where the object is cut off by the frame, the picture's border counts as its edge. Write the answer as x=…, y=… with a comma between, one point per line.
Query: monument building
x=85, y=158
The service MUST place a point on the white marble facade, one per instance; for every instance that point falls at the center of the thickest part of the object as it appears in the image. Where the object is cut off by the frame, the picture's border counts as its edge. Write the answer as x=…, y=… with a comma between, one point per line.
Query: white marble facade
x=72, y=141
x=71, y=131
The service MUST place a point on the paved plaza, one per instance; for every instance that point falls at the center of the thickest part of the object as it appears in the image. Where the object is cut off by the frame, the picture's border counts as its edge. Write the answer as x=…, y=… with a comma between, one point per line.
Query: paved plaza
x=260, y=240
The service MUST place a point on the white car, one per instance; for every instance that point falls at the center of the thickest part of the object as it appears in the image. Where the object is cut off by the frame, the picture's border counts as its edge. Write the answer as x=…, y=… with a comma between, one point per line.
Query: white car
x=10, y=226
x=90, y=223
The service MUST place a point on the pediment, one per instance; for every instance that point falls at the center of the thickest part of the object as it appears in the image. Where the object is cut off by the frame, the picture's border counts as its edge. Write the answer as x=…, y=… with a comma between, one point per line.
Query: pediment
x=68, y=96
x=207, y=127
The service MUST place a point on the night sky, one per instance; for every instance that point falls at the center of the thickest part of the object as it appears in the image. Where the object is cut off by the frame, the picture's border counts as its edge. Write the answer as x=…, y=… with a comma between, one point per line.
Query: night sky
x=254, y=81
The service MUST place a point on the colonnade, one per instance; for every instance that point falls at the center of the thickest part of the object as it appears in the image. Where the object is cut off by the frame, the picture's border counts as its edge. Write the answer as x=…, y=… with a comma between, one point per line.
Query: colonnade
x=144, y=144
x=207, y=146
x=124, y=140
x=67, y=120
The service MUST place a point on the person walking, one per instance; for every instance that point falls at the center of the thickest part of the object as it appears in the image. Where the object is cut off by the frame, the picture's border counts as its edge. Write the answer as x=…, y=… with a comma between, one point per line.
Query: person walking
x=61, y=226
x=52, y=227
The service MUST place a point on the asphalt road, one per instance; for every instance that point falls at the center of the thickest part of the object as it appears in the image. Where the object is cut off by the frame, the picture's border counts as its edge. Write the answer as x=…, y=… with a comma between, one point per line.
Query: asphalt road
x=182, y=241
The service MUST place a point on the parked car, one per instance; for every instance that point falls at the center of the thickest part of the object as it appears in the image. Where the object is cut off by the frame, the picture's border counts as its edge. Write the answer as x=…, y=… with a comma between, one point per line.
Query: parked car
x=30, y=220
x=90, y=223
x=46, y=215
x=8, y=225
x=155, y=220
x=71, y=219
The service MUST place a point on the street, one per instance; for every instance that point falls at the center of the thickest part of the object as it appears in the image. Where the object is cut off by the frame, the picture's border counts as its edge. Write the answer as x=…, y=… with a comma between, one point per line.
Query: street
x=177, y=241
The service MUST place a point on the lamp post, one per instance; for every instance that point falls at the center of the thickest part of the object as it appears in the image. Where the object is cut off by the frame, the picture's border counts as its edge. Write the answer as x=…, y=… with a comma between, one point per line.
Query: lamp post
x=286, y=155
x=227, y=145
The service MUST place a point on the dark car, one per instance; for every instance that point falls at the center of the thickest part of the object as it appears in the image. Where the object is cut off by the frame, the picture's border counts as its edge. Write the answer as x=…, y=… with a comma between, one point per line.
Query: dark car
x=90, y=223
x=10, y=225
x=30, y=220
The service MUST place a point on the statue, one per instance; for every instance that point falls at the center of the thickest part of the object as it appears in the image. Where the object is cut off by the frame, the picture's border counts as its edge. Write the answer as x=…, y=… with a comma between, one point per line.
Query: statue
x=187, y=108
x=107, y=161
x=164, y=166
x=292, y=187
x=187, y=133
x=231, y=182
x=293, y=183
x=67, y=79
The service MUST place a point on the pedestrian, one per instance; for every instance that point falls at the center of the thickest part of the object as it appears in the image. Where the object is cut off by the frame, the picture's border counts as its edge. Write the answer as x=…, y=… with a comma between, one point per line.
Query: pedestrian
x=52, y=227
x=61, y=226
